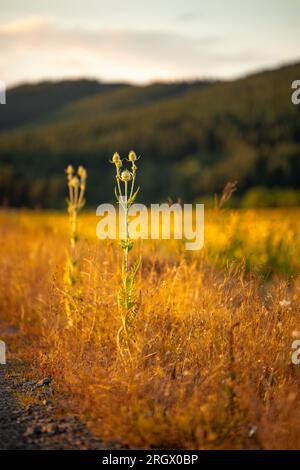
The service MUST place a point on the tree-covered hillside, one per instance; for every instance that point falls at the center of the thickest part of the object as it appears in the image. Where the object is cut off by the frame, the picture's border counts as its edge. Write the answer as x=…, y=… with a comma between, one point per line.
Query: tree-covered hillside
x=192, y=137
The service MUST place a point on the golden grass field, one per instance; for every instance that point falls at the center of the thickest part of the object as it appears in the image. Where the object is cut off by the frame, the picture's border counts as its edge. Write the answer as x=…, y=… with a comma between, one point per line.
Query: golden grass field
x=210, y=360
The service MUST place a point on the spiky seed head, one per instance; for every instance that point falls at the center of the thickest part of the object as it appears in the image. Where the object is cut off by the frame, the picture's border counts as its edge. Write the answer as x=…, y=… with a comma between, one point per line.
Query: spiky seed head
x=69, y=171
x=132, y=156
x=116, y=159
x=126, y=176
x=82, y=173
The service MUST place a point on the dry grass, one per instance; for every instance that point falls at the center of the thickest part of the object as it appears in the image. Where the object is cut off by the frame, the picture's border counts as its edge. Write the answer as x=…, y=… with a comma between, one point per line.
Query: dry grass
x=210, y=364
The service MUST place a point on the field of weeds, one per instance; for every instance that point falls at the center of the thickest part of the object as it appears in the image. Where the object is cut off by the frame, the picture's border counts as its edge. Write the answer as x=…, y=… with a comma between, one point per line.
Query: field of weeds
x=207, y=363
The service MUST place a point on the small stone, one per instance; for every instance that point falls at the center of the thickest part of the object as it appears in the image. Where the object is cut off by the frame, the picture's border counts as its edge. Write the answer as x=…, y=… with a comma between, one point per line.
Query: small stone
x=252, y=430
x=37, y=429
x=43, y=382
x=50, y=429
x=46, y=402
x=33, y=430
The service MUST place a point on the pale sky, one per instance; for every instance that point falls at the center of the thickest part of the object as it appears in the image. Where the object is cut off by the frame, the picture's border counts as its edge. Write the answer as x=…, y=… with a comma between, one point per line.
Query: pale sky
x=143, y=41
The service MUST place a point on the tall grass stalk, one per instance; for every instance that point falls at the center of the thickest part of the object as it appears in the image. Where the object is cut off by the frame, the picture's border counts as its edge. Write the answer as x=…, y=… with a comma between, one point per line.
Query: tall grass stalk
x=75, y=202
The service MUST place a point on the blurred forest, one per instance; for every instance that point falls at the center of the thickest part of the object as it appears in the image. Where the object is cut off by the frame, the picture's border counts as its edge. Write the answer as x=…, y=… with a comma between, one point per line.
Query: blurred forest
x=193, y=137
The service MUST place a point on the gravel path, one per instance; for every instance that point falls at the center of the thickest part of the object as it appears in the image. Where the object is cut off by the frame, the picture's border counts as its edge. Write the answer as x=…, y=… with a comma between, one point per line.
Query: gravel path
x=36, y=424
x=10, y=434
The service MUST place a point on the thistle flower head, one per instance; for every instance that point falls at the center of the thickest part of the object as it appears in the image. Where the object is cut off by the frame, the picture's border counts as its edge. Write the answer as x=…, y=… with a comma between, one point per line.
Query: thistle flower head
x=126, y=176
x=116, y=159
x=132, y=156
x=69, y=172
x=82, y=173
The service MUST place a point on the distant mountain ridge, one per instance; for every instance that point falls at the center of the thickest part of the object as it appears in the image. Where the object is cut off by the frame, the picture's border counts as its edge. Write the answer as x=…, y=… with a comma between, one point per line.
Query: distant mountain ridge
x=193, y=137
x=33, y=103
x=30, y=102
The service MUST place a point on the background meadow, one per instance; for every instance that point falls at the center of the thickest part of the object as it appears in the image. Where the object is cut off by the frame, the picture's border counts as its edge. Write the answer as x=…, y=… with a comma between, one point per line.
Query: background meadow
x=210, y=362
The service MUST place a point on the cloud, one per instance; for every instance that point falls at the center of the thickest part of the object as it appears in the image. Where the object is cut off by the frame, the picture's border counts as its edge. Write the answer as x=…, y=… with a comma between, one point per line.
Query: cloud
x=34, y=48
x=23, y=25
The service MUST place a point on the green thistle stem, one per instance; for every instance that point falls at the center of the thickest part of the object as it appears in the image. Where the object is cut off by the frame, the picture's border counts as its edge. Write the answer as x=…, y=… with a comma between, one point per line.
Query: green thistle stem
x=126, y=227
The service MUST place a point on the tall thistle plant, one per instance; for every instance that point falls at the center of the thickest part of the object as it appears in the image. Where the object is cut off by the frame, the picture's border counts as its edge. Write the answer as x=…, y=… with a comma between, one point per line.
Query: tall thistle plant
x=75, y=202
x=127, y=298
